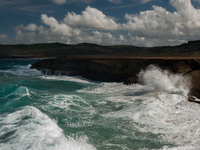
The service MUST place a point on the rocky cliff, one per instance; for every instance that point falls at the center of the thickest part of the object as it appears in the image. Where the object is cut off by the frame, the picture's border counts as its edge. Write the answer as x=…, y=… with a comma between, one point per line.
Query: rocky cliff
x=119, y=63
x=120, y=69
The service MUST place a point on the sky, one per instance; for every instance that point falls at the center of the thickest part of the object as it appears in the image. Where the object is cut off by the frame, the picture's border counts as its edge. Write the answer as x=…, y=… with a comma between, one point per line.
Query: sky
x=144, y=23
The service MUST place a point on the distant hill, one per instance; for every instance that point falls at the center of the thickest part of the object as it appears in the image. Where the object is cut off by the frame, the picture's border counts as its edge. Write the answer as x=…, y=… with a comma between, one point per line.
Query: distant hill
x=192, y=48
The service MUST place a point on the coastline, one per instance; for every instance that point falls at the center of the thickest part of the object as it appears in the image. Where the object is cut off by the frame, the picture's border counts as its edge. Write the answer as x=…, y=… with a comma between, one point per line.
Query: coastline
x=158, y=103
x=117, y=63
x=122, y=69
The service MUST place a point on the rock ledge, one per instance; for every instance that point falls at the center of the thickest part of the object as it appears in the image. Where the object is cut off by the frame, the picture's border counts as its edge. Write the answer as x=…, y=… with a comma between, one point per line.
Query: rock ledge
x=121, y=69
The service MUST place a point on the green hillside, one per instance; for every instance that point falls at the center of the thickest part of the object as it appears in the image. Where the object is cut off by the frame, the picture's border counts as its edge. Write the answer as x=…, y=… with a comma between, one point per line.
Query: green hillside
x=41, y=50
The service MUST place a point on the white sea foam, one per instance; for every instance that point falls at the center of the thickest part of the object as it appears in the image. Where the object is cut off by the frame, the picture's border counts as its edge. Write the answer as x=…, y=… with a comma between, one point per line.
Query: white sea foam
x=155, y=111
x=110, y=88
x=29, y=128
x=156, y=79
x=22, y=70
x=67, y=78
x=181, y=148
x=72, y=104
x=64, y=101
x=159, y=106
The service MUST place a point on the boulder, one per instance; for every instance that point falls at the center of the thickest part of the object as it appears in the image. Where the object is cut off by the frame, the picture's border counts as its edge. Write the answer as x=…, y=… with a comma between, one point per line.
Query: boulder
x=195, y=83
x=131, y=80
x=182, y=67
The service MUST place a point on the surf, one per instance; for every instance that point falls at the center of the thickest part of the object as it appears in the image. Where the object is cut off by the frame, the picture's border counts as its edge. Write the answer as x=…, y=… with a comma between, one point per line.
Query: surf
x=40, y=111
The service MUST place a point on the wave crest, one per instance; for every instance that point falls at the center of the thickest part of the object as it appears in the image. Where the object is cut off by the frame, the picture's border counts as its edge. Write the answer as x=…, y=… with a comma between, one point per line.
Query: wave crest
x=156, y=79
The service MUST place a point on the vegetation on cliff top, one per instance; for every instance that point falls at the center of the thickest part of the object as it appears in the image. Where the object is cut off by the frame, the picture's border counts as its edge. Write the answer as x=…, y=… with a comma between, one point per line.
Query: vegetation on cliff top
x=191, y=48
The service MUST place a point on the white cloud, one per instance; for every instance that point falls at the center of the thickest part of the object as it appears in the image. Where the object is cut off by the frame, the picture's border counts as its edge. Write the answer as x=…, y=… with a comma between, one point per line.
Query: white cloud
x=31, y=27
x=155, y=27
x=97, y=37
x=57, y=31
x=156, y=23
x=56, y=28
x=59, y=2
x=3, y=36
x=41, y=35
x=4, y=39
x=92, y=18
x=121, y=37
x=187, y=11
x=162, y=24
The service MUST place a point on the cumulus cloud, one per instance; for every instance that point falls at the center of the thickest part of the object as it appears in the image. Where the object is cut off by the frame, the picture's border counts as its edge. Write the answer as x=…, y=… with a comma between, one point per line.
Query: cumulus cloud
x=187, y=11
x=92, y=18
x=162, y=24
x=57, y=31
x=156, y=23
x=99, y=37
x=3, y=36
x=31, y=27
x=154, y=27
x=41, y=35
x=56, y=28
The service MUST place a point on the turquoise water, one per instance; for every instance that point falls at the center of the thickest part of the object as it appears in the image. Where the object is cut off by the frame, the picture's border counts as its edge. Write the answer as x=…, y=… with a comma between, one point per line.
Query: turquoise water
x=40, y=112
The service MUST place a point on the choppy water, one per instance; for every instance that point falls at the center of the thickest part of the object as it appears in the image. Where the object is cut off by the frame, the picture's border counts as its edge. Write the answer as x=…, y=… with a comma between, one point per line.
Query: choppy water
x=39, y=112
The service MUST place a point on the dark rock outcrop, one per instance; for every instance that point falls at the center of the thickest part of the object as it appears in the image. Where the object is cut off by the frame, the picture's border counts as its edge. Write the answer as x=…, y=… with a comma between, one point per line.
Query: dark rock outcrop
x=181, y=67
x=131, y=80
x=120, y=69
x=195, y=83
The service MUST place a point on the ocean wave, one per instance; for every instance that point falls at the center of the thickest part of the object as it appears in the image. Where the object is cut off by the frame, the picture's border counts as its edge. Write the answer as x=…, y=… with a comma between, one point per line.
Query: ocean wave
x=22, y=70
x=157, y=108
x=43, y=112
x=29, y=128
x=156, y=79
x=67, y=78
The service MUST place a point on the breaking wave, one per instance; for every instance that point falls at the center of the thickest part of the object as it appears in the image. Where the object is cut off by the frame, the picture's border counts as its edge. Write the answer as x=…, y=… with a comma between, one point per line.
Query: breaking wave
x=29, y=128
x=61, y=112
x=22, y=70
x=156, y=79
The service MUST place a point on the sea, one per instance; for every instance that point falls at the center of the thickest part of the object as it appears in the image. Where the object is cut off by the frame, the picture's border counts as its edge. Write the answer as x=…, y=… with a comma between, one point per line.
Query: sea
x=58, y=112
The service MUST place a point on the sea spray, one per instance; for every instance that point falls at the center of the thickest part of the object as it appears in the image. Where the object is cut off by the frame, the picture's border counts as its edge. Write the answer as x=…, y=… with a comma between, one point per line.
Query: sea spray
x=156, y=79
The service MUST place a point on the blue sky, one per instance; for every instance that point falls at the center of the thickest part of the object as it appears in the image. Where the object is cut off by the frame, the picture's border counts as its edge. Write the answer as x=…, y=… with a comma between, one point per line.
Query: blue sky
x=104, y=22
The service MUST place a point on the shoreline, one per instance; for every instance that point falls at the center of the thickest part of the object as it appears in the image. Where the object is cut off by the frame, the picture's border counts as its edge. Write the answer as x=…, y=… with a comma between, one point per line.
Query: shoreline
x=187, y=66
x=124, y=57
x=103, y=57
x=121, y=69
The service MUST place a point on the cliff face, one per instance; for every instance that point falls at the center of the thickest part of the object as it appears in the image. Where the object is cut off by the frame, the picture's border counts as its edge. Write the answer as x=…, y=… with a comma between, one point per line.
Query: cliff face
x=120, y=69
x=119, y=63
